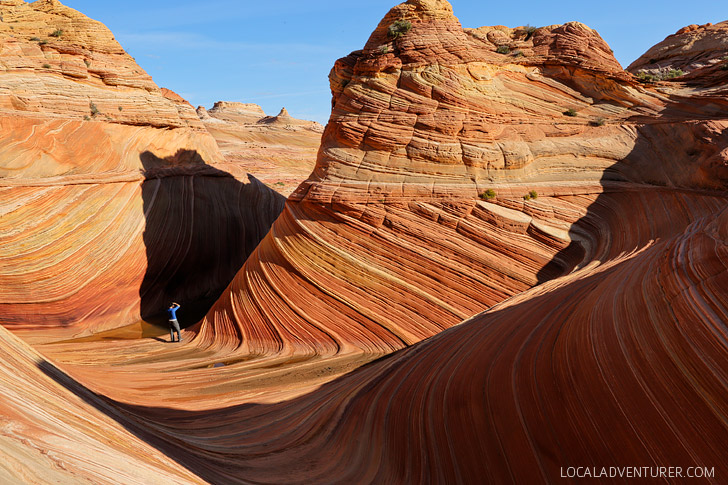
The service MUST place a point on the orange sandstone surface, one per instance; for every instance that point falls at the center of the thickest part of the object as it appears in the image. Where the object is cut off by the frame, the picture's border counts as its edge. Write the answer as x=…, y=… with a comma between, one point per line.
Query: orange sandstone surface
x=279, y=150
x=109, y=186
x=527, y=247
x=52, y=430
x=698, y=49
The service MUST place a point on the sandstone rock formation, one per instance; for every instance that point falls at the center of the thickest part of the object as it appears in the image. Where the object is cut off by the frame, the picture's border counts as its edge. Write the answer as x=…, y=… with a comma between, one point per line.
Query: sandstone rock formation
x=690, y=49
x=244, y=113
x=280, y=150
x=52, y=430
x=391, y=211
x=538, y=240
x=387, y=243
x=67, y=66
x=107, y=183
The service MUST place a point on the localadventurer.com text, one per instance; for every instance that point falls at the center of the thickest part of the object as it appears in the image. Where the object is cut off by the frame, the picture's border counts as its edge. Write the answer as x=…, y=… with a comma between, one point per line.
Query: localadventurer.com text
x=637, y=472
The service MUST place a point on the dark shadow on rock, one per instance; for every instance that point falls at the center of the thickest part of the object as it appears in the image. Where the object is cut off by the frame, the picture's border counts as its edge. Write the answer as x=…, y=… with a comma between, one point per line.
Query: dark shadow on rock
x=201, y=225
x=677, y=150
x=230, y=444
x=113, y=410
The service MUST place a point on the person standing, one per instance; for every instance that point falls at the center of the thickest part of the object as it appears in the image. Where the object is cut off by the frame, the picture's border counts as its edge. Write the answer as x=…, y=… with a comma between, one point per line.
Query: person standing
x=173, y=323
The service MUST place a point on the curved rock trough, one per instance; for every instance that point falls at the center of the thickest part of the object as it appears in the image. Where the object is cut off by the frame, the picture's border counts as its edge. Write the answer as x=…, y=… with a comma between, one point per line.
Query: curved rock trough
x=510, y=257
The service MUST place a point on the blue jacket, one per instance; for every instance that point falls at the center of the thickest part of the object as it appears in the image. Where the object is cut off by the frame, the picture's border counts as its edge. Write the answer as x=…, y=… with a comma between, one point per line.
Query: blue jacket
x=173, y=312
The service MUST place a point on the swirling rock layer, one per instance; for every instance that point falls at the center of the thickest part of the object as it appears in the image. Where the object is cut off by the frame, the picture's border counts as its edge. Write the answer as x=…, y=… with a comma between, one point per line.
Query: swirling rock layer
x=53, y=431
x=692, y=48
x=109, y=186
x=388, y=231
x=280, y=150
x=536, y=243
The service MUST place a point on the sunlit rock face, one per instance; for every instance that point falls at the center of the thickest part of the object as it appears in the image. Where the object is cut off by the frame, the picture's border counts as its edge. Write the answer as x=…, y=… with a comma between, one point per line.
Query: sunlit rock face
x=55, y=431
x=280, y=150
x=539, y=240
x=393, y=236
x=604, y=295
x=691, y=48
x=111, y=200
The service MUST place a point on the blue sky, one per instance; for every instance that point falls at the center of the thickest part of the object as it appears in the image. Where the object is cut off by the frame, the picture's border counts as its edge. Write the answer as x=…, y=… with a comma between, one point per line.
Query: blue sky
x=279, y=53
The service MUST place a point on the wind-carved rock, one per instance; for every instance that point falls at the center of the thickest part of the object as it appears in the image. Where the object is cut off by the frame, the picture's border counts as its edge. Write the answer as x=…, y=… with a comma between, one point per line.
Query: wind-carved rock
x=584, y=210
x=108, y=184
x=542, y=238
x=690, y=48
x=280, y=150
x=425, y=123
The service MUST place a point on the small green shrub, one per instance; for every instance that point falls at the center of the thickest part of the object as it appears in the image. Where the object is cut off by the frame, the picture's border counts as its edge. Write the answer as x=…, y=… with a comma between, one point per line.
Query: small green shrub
x=87, y=118
x=383, y=49
x=56, y=33
x=673, y=73
x=121, y=108
x=398, y=28
x=35, y=39
x=645, y=77
x=530, y=30
x=42, y=42
x=597, y=121
x=87, y=62
x=570, y=112
x=503, y=49
x=526, y=197
x=519, y=54
x=488, y=194
x=46, y=66
x=662, y=75
x=94, y=109
x=533, y=194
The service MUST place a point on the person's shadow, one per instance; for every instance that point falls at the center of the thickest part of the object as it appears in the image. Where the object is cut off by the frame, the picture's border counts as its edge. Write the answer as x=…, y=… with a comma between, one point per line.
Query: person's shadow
x=201, y=225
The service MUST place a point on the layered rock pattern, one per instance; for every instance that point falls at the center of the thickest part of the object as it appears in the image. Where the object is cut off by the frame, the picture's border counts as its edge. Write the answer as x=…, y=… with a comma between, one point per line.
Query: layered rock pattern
x=108, y=183
x=390, y=222
x=52, y=430
x=280, y=150
x=555, y=232
x=621, y=361
x=59, y=63
x=698, y=51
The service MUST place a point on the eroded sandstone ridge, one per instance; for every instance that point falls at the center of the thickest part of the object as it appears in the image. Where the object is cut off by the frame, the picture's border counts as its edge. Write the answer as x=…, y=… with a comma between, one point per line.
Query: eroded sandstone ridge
x=108, y=184
x=280, y=150
x=586, y=208
x=539, y=240
x=52, y=430
x=695, y=51
x=388, y=241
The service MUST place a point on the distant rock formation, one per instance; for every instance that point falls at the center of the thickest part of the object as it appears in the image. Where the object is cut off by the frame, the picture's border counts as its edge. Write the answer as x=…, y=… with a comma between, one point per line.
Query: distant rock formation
x=280, y=150
x=107, y=181
x=249, y=113
x=690, y=48
x=285, y=119
x=237, y=112
x=203, y=114
x=528, y=250
x=583, y=210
